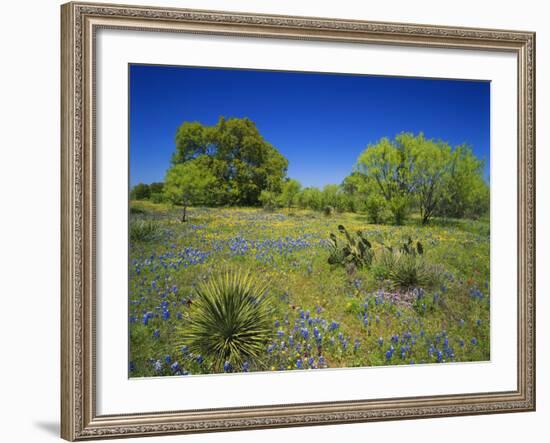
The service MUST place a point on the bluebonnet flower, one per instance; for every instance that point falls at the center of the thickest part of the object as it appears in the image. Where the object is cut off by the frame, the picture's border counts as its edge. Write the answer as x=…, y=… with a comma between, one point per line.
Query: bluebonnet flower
x=146, y=317
x=305, y=333
x=474, y=341
x=167, y=359
x=478, y=322
x=184, y=349
x=356, y=344
x=280, y=333
x=157, y=365
x=333, y=326
x=132, y=366
x=439, y=356
x=449, y=352
x=389, y=353
x=156, y=333
x=322, y=362
x=380, y=341
x=199, y=359
x=299, y=363
x=316, y=332
x=277, y=323
x=175, y=366
x=476, y=293
x=245, y=366
x=227, y=367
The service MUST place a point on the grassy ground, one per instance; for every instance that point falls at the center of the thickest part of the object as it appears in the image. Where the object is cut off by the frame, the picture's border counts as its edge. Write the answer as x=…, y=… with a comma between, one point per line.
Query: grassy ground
x=323, y=315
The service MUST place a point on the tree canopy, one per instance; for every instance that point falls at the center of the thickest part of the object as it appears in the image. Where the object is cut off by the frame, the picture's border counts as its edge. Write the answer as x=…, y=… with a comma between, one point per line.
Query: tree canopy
x=241, y=161
x=412, y=171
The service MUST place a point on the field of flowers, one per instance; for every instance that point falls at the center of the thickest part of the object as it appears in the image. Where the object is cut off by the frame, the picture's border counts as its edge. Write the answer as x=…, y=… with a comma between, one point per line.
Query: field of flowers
x=323, y=316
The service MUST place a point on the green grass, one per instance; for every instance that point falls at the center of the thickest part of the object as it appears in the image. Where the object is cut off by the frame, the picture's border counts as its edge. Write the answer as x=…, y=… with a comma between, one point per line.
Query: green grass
x=356, y=314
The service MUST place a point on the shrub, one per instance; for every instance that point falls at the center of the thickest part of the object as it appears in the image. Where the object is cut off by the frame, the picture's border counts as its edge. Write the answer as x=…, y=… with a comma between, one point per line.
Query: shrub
x=141, y=191
x=328, y=210
x=269, y=200
x=375, y=206
x=229, y=321
x=136, y=210
x=158, y=197
x=399, y=207
x=142, y=231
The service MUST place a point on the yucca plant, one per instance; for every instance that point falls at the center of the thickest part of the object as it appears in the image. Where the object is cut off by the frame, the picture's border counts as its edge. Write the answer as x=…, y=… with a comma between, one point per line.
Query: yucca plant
x=406, y=267
x=229, y=322
x=411, y=271
x=143, y=230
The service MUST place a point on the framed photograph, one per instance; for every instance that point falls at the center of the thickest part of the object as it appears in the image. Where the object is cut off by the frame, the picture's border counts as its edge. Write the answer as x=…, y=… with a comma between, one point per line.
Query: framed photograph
x=283, y=221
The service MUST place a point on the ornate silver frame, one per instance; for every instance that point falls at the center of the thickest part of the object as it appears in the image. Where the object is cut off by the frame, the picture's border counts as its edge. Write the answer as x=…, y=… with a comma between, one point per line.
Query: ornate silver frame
x=80, y=21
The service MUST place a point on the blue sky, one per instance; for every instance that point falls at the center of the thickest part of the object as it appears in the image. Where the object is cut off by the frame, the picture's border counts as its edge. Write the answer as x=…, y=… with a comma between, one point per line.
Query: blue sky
x=319, y=122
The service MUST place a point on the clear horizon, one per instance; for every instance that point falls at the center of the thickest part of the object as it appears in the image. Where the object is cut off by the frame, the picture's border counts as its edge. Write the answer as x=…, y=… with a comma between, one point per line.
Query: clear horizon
x=319, y=122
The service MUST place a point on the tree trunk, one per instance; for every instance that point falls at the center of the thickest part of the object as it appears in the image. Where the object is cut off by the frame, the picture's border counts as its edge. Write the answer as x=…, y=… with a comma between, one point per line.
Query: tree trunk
x=184, y=214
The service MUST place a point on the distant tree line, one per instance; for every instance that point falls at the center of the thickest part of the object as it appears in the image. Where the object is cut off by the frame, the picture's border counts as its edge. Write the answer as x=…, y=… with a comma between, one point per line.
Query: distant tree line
x=230, y=164
x=393, y=178
x=153, y=191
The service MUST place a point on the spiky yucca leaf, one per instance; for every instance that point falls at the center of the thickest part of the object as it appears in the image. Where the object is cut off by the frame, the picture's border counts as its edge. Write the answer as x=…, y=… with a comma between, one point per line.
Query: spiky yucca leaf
x=229, y=321
x=406, y=271
x=143, y=230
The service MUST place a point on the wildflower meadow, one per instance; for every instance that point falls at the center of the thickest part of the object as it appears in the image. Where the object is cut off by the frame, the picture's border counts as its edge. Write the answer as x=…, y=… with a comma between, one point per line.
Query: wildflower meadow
x=291, y=221
x=321, y=316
